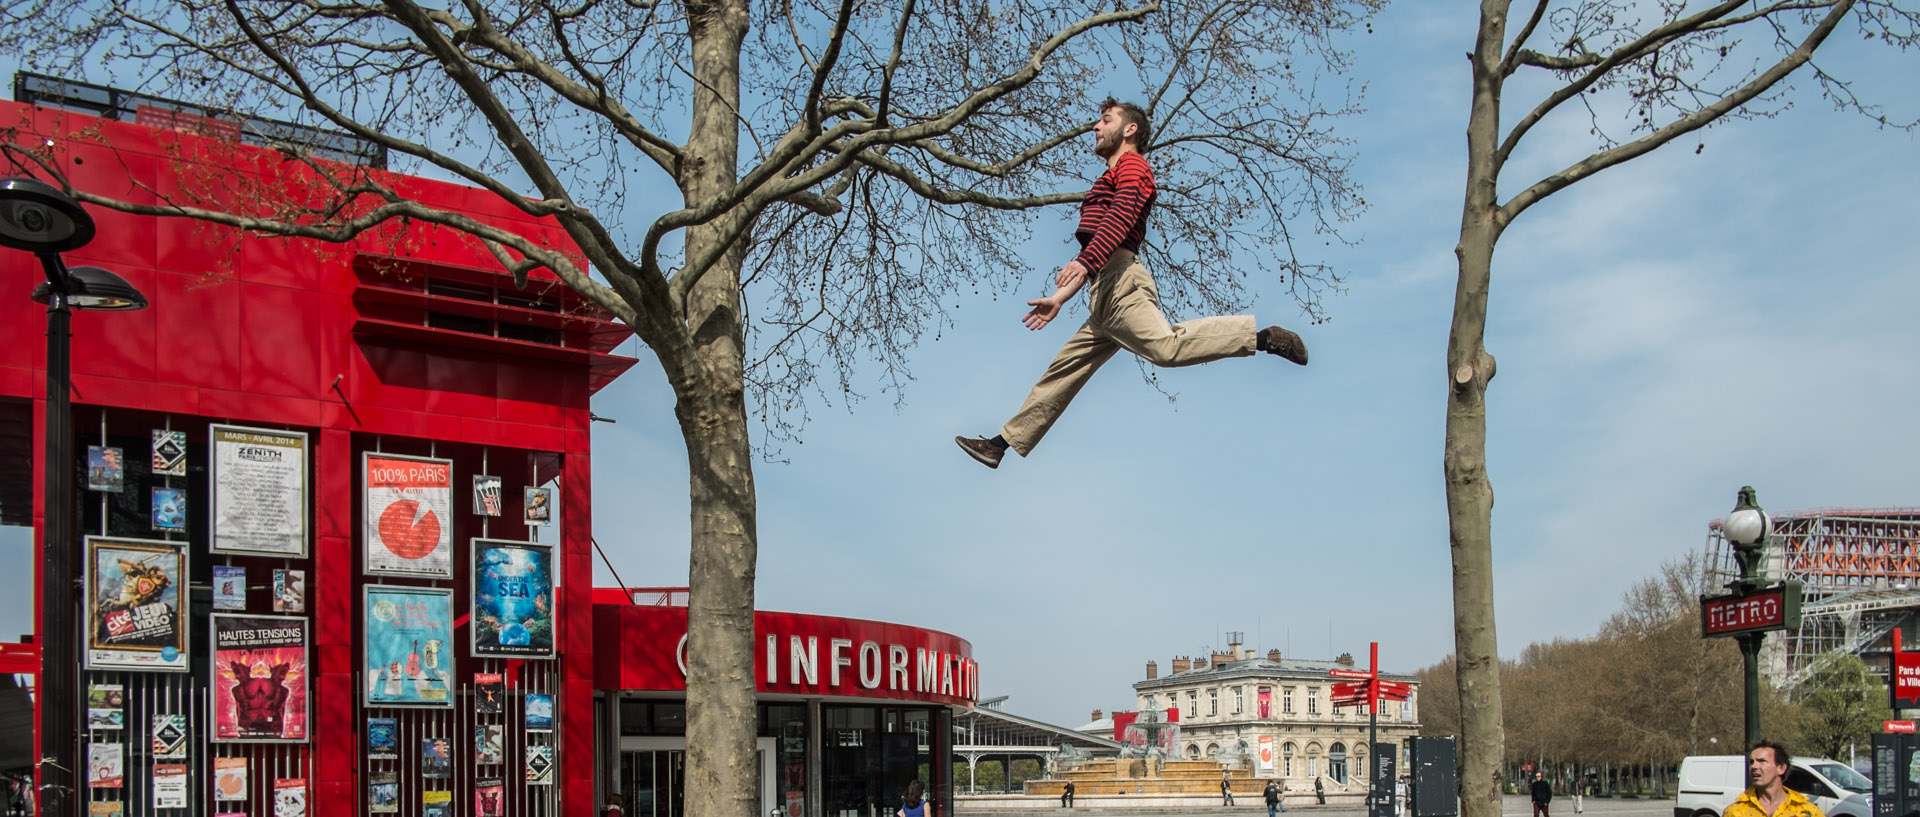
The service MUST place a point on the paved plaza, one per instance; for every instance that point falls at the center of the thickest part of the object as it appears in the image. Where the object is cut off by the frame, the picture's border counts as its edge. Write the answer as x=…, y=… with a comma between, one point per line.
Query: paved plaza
x=1512, y=806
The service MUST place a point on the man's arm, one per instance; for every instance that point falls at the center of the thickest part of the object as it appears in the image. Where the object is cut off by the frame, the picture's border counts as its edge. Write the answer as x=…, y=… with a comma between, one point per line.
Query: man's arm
x=1045, y=309
x=1132, y=187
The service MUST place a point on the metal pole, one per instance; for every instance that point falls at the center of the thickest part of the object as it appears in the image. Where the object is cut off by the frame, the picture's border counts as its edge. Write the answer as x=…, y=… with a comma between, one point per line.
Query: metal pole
x=1373, y=730
x=1750, y=659
x=59, y=730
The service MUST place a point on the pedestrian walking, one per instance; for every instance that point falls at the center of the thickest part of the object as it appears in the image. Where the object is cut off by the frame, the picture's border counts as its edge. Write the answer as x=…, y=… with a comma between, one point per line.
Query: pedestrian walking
x=1226, y=788
x=1542, y=794
x=1274, y=804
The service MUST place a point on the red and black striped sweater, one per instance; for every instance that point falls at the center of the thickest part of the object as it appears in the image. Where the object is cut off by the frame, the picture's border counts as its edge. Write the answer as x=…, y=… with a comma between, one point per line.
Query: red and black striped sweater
x=1114, y=213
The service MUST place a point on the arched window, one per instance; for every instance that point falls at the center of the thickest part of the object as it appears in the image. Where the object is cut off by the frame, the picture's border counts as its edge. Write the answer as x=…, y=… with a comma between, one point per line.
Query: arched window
x=1337, y=762
x=1286, y=758
x=1193, y=751
x=1213, y=749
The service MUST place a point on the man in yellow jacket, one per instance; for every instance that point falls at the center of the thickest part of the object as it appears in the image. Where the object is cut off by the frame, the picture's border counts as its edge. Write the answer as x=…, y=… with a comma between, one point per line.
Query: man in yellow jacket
x=1769, y=796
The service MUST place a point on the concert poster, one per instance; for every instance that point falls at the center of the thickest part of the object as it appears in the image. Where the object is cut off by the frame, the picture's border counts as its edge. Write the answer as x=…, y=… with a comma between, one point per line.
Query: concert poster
x=106, y=808
x=512, y=599
x=487, y=496
x=383, y=793
x=169, y=785
x=260, y=679
x=230, y=778
x=489, y=741
x=290, y=797
x=409, y=515
x=106, y=706
x=289, y=591
x=170, y=737
x=383, y=739
x=539, y=506
x=539, y=712
x=436, y=758
x=169, y=453
x=436, y=804
x=133, y=605
x=539, y=765
x=489, y=692
x=488, y=795
x=106, y=469
x=170, y=509
x=229, y=588
x=260, y=491
x=408, y=661
x=105, y=765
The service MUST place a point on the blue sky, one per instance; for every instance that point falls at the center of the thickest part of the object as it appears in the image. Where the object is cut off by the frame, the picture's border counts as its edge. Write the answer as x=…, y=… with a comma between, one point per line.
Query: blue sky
x=1666, y=332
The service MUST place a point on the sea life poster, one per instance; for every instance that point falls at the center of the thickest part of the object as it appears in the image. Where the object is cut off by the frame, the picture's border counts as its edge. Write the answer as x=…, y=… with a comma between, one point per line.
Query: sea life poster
x=409, y=515
x=539, y=765
x=170, y=509
x=489, y=741
x=290, y=797
x=260, y=679
x=539, y=712
x=169, y=785
x=133, y=604
x=512, y=599
x=436, y=758
x=539, y=506
x=169, y=453
x=229, y=778
x=170, y=737
x=229, y=588
x=383, y=793
x=106, y=469
x=260, y=491
x=289, y=591
x=106, y=706
x=383, y=739
x=489, y=692
x=106, y=765
x=407, y=660
x=488, y=797
x=487, y=496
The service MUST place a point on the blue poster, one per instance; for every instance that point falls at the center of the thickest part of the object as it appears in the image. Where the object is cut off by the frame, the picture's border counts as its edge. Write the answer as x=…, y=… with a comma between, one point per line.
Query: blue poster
x=539, y=712
x=170, y=509
x=512, y=599
x=408, y=660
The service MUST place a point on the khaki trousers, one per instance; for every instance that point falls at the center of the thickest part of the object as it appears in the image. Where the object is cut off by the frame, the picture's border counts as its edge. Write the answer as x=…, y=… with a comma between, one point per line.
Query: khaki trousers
x=1125, y=315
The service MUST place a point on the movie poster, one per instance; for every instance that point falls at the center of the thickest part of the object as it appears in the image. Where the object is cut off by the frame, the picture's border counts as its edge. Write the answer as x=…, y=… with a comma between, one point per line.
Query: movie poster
x=383, y=739
x=106, y=706
x=539, y=765
x=169, y=453
x=170, y=509
x=436, y=758
x=169, y=785
x=436, y=804
x=409, y=515
x=487, y=500
x=538, y=506
x=488, y=795
x=259, y=679
x=489, y=692
x=539, y=712
x=290, y=797
x=230, y=778
x=106, y=469
x=489, y=742
x=259, y=479
x=408, y=660
x=512, y=599
x=383, y=793
x=229, y=588
x=133, y=605
x=169, y=737
x=105, y=769
x=289, y=591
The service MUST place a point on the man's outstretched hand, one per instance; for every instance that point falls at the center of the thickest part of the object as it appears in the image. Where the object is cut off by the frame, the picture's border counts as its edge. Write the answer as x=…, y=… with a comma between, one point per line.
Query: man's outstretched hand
x=1044, y=310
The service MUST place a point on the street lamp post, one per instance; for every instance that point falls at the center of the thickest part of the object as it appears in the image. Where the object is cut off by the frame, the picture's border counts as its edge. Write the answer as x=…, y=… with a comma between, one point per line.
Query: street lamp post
x=1746, y=529
x=38, y=218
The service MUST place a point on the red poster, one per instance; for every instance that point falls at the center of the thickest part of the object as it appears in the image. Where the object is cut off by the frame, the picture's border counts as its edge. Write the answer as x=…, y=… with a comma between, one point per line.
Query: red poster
x=409, y=515
x=1266, y=702
x=259, y=678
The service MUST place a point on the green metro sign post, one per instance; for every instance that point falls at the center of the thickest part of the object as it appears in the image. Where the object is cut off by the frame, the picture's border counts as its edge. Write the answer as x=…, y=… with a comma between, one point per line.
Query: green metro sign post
x=1755, y=606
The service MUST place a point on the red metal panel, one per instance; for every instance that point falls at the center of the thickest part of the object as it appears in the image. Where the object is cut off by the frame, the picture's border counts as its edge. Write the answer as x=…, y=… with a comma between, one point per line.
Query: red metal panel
x=288, y=262
x=148, y=396
x=259, y=408
x=388, y=376
x=280, y=336
x=119, y=344
x=23, y=335
x=576, y=747
x=197, y=330
x=460, y=383
x=512, y=435
x=527, y=391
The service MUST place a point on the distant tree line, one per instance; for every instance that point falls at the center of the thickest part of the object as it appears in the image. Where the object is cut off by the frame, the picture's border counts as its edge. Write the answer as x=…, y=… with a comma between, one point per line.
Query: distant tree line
x=1624, y=706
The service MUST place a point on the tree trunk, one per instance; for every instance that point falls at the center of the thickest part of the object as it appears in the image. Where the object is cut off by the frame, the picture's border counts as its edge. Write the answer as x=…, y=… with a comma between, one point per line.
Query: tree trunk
x=1469, y=492
x=711, y=407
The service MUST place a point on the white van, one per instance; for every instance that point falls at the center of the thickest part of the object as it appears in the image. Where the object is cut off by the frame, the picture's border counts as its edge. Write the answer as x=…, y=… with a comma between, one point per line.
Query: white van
x=1708, y=784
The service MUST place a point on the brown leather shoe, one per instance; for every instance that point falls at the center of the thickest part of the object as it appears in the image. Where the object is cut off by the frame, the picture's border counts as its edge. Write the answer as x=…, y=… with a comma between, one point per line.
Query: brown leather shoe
x=1286, y=344
x=982, y=449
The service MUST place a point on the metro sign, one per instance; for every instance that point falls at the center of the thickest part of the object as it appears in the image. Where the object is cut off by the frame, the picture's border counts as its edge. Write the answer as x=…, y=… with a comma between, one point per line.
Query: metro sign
x=1898, y=727
x=1774, y=608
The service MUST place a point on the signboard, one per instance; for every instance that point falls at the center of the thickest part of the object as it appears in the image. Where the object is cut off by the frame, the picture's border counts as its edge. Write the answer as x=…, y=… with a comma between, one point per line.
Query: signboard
x=1905, y=684
x=133, y=604
x=259, y=479
x=1774, y=608
x=1886, y=776
x=512, y=599
x=1348, y=673
x=409, y=515
x=1266, y=754
x=408, y=661
x=1898, y=727
x=1380, y=788
x=260, y=679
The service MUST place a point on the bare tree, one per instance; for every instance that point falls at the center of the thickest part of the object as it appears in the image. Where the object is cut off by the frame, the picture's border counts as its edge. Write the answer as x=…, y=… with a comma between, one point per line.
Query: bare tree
x=841, y=167
x=1659, y=69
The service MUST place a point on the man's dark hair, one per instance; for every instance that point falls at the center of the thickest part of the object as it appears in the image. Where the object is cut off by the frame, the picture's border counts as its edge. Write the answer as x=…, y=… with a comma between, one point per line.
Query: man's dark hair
x=1133, y=115
x=1780, y=755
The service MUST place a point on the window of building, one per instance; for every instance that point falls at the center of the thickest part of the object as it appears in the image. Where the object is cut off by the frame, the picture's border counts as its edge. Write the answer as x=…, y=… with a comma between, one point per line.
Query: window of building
x=1286, y=759
x=1313, y=762
x=1337, y=762
x=1286, y=700
x=1238, y=700
x=1193, y=703
x=1313, y=700
x=1213, y=706
x=1406, y=710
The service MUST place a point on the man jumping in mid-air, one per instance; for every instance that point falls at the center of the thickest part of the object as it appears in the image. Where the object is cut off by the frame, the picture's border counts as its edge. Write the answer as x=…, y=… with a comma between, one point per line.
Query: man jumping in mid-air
x=1125, y=307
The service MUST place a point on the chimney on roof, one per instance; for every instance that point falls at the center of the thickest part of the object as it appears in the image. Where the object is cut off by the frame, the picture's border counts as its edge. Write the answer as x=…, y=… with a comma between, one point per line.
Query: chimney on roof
x=1096, y=715
x=1345, y=659
x=1247, y=655
x=1273, y=655
x=1220, y=658
x=1199, y=663
x=1182, y=664
x=1153, y=670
